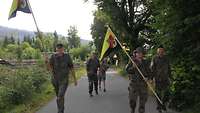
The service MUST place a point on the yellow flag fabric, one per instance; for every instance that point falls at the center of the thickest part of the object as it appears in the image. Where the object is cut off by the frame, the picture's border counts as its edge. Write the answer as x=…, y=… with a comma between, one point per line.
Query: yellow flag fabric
x=19, y=5
x=13, y=7
x=109, y=43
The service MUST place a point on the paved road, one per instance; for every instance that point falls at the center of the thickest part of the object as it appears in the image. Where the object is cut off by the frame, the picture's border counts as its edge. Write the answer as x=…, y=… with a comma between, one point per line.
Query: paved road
x=115, y=100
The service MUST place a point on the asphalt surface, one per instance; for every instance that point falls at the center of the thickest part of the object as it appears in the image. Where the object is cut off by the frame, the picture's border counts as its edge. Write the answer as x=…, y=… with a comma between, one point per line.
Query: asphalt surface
x=115, y=100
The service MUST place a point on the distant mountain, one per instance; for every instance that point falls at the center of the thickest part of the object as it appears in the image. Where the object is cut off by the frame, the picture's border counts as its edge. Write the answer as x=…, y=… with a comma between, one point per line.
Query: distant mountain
x=84, y=42
x=19, y=34
x=16, y=33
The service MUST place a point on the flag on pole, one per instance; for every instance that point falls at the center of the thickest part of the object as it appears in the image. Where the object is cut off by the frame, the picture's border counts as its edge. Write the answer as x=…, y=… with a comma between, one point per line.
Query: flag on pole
x=19, y=5
x=109, y=44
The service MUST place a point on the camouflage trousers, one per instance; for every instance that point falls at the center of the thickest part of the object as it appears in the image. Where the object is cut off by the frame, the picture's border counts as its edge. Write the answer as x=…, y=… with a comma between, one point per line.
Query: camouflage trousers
x=138, y=90
x=60, y=88
x=93, y=81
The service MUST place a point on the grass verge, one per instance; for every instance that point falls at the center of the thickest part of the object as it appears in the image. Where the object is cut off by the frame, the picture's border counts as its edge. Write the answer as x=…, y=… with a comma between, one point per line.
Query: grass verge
x=42, y=98
x=120, y=70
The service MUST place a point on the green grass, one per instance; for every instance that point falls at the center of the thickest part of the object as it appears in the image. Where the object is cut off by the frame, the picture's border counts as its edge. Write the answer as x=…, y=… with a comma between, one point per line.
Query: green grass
x=39, y=100
x=122, y=71
x=36, y=102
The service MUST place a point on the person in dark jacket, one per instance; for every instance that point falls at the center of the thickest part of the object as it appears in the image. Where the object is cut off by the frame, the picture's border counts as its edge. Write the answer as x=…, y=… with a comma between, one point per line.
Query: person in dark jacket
x=92, y=67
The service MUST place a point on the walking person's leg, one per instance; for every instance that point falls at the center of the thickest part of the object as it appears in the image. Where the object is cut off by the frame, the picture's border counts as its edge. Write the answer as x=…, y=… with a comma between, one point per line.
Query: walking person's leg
x=104, y=82
x=55, y=85
x=143, y=94
x=60, y=97
x=159, y=93
x=100, y=81
x=133, y=94
x=96, y=84
x=165, y=99
x=90, y=81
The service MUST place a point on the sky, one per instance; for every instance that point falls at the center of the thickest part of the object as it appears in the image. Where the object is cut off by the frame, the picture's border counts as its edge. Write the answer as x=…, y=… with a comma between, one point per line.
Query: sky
x=52, y=15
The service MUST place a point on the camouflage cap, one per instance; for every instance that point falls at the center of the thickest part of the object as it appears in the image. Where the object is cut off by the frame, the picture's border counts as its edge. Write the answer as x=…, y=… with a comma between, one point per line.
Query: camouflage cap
x=59, y=46
x=139, y=50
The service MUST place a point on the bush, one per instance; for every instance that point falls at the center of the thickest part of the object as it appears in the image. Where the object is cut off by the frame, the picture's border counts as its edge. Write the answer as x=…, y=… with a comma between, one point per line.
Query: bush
x=31, y=53
x=19, y=85
x=185, y=87
x=81, y=52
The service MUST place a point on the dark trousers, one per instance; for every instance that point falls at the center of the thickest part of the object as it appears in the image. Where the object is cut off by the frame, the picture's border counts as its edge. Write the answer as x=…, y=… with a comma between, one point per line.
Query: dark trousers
x=93, y=81
x=60, y=89
x=163, y=94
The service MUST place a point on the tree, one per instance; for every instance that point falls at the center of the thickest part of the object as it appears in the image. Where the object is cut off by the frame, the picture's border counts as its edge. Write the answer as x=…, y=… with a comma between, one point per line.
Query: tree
x=55, y=40
x=128, y=19
x=98, y=28
x=177, y=24
x=64, y=41
x=6, y=41
x=73, y=38
x=28, y=39
x=12, y=40
x=81, y=52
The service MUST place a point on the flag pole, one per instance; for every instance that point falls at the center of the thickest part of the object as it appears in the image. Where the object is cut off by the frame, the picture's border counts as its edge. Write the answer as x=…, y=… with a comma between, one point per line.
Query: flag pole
x=138, y=69
x=33, y=16
x=39, y=33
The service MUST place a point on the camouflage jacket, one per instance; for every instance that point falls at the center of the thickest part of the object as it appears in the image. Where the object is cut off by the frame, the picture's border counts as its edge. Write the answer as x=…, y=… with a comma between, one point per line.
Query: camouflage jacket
x=135, y=76
x=161, y=69
x=61, y=66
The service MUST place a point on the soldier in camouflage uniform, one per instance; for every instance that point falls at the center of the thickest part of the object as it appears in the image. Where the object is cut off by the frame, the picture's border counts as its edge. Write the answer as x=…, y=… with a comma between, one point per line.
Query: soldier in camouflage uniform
x=102, y=73
x=92, y=67
x=137, y=86
x=161, y=70
x=60, y=64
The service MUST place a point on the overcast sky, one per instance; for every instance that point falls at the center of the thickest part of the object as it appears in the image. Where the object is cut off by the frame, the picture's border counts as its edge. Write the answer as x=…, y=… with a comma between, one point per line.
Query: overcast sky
x=52, y=15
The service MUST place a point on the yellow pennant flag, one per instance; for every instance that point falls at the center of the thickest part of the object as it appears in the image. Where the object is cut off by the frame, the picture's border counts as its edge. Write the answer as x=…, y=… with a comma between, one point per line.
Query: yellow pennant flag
x=19, y=5
x=109, y=44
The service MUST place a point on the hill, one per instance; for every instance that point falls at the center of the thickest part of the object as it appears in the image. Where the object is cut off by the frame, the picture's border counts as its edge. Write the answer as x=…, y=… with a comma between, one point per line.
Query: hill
x=20, y=34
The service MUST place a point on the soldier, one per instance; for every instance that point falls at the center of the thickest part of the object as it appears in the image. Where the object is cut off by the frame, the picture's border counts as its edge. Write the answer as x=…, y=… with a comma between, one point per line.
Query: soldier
x=102, y=74
x=161, y=70
x=137, y=86
x=92, y=66
x=60, y=64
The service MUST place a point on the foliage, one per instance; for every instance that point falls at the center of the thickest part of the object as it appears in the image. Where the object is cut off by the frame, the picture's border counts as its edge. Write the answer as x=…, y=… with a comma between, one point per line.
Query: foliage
x=19, y=85
x=7, y=41
x=177, y=23
x=24, y=90
x=31, y=53
x=73, y=38
x=55, y=40
x=98, y=28
x=171, y=23
x=81, y=52
x=122, y=71
x=128, y=18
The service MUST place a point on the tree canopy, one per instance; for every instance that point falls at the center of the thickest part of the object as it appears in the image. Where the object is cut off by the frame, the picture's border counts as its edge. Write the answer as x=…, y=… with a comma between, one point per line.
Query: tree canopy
x=175, y=24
